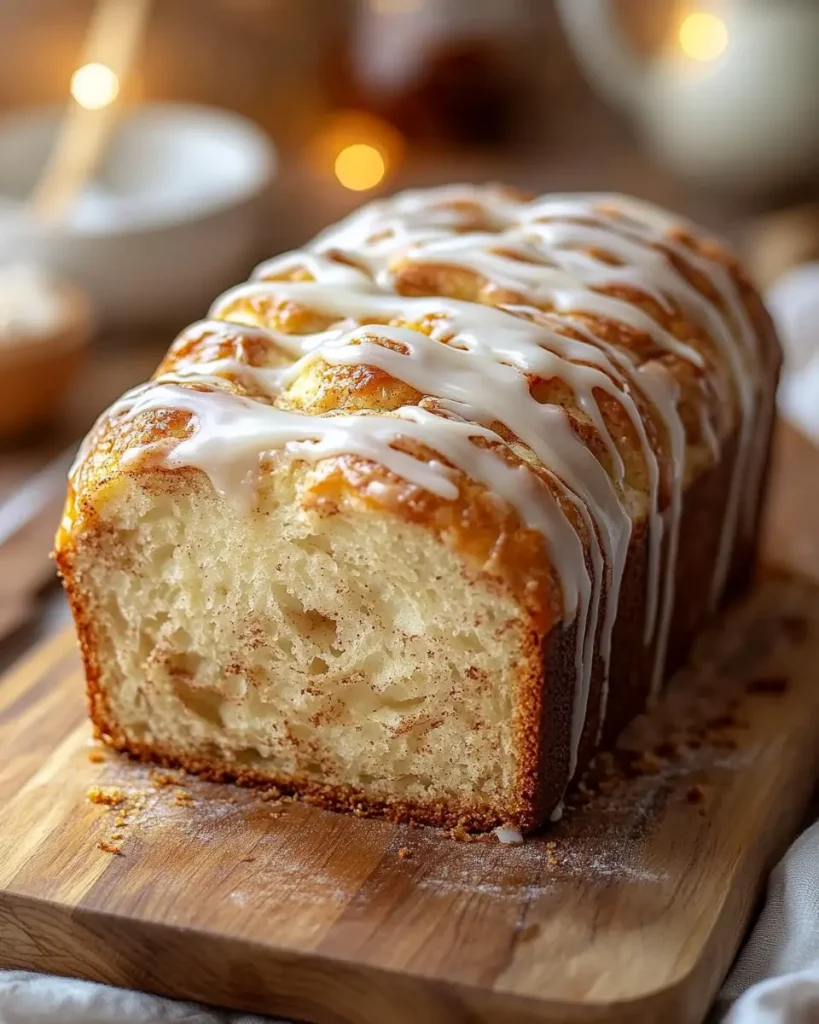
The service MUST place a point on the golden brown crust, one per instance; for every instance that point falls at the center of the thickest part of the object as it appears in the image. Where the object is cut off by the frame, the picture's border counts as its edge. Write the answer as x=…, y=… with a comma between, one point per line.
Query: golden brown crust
x=475, y=524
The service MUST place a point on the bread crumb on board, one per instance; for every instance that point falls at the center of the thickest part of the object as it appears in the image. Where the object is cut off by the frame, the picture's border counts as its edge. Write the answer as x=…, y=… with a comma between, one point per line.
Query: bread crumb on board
x=111, y=796
x=463, y=835
x=403, y=853
x=109, y=847
x=160, y=779
x=270, y=794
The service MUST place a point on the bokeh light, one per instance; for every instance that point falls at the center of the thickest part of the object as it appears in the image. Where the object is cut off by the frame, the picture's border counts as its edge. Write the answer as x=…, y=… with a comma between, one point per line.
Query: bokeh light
x=703, y=36
x=94, y=86
x=360, y=166
x=358, y=149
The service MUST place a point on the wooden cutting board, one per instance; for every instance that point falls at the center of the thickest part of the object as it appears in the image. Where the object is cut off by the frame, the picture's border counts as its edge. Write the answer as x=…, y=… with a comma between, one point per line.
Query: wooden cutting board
x=630, y=910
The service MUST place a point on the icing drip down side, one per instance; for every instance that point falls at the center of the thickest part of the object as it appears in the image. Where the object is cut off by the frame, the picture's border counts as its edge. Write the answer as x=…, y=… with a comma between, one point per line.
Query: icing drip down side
x=553, y=270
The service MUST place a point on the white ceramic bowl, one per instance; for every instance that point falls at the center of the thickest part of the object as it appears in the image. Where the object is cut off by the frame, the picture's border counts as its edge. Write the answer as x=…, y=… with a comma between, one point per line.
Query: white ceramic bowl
x=172, y=218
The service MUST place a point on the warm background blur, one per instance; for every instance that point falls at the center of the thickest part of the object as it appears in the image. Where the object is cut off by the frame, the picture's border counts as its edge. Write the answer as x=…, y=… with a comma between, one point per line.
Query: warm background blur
x=476, y=89
x=710, y=107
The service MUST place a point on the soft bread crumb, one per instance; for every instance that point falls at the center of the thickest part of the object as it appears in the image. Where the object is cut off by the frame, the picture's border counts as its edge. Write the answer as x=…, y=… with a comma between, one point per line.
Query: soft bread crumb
x=337, y=658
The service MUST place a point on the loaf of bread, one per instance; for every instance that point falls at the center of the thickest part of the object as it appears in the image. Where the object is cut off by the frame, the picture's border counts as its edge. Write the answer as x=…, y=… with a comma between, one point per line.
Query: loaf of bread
x=426, y=512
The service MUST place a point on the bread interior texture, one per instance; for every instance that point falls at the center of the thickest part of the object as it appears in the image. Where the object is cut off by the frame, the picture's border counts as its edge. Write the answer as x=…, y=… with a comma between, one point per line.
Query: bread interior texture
x=345, y=649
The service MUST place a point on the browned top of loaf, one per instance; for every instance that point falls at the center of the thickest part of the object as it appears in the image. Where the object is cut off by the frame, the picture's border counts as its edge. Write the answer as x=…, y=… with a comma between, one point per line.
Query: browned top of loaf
x=490, y=533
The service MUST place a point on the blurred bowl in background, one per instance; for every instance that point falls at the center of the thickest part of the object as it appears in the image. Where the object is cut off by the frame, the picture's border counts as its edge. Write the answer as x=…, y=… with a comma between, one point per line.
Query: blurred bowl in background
x=45, y=328
x=171, y=218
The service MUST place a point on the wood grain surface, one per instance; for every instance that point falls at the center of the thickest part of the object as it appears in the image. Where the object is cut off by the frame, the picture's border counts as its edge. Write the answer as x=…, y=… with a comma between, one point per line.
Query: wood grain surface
x=630, y=910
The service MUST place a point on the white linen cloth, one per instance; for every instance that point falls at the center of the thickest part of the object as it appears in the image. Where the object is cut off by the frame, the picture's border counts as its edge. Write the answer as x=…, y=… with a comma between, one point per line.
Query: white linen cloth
x=776, y=977
x=27, y=998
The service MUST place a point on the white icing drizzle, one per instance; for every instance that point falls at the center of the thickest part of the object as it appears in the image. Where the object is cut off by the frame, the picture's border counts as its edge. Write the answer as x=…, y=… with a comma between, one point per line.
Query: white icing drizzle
x=475, y=362
x=508, y=836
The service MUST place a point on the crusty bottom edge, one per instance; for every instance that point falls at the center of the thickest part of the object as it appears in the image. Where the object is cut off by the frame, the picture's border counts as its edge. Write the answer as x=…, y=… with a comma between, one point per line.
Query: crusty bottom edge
x=343, y=799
